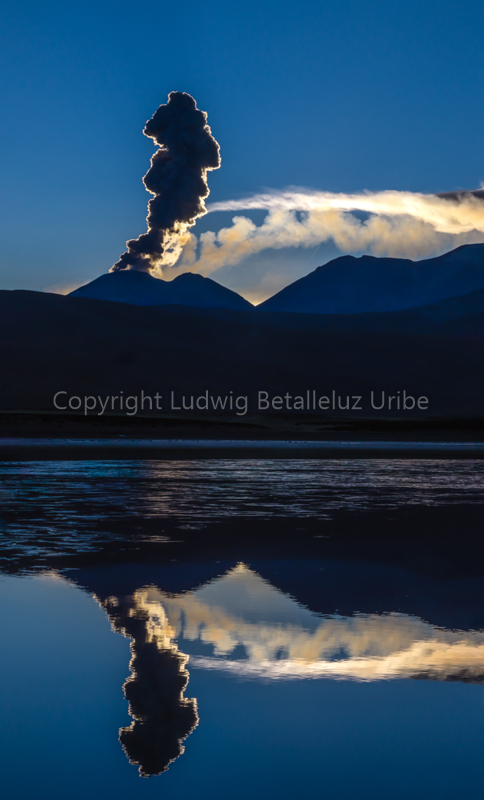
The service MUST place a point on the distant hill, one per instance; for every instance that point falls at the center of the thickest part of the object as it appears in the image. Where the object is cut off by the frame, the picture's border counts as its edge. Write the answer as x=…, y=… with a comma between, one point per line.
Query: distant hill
x=349, y=285
x=141, y=289
x=454, y=313
x=82, y=346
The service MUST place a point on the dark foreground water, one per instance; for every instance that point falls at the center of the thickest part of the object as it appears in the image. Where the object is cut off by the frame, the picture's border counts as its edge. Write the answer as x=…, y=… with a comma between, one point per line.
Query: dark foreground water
x=263, y=629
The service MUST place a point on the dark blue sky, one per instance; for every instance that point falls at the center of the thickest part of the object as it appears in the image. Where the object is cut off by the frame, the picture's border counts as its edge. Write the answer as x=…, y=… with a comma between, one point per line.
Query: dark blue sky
x=342, y=96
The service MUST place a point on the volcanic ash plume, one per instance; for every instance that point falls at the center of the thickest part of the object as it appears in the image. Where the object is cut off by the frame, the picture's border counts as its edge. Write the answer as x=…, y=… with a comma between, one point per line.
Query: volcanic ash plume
x=177, y=179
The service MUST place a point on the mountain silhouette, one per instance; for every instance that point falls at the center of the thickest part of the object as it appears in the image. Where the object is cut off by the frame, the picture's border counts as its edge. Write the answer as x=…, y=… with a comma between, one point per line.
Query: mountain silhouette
x=345, y=285
x=349, y=285
x=92, y=347
x=141, y=289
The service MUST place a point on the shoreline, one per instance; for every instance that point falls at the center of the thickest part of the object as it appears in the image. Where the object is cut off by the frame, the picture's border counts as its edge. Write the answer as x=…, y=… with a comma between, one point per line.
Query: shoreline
x=40, y=435
x=123, y=448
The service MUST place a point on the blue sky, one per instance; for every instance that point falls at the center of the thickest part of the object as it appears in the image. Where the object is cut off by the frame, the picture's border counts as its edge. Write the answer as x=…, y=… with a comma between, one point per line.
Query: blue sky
x=341, y=96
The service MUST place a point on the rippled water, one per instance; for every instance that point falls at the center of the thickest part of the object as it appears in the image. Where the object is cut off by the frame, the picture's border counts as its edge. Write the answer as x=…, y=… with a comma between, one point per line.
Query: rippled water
x=61, y=502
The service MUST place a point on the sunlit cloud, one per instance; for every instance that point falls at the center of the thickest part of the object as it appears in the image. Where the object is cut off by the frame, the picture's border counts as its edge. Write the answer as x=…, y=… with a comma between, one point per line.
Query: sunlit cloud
x=397, y=224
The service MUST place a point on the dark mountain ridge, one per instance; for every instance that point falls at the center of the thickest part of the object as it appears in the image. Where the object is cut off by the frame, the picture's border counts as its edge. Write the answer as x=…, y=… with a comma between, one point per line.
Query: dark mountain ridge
x=345, y=285
x=349, y=285
x=52, y=343
x=142, y=289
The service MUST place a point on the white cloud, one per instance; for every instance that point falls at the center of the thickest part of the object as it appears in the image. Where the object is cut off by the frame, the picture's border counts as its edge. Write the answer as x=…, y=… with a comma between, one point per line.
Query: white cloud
x=398, y=224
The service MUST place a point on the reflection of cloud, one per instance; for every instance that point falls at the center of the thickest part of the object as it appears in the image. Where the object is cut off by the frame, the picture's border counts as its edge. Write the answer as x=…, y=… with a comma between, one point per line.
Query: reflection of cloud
x=284, y=640
x=241, y=612
x=162, y=717
x=438, y=661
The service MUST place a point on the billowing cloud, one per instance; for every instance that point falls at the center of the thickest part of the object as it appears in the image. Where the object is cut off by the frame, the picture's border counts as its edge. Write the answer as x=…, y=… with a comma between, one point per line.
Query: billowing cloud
x=177, y=179
x=451, y=213
x=398, y=224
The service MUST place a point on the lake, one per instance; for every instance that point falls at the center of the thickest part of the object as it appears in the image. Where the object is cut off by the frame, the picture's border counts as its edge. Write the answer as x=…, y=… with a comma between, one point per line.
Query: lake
x=260, y=627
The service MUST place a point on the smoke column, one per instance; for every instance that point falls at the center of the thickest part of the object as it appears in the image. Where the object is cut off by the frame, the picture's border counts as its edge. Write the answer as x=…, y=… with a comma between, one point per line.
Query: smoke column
x=177, y=179
x=398, y=224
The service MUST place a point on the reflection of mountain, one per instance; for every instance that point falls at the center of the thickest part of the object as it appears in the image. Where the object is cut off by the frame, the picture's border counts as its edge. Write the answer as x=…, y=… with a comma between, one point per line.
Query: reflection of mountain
x=242, y=625
x=281, y=639
x=162, y=717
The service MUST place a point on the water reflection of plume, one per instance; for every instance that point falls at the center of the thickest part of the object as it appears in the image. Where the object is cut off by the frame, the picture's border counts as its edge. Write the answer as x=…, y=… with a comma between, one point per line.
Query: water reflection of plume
x=162, y=717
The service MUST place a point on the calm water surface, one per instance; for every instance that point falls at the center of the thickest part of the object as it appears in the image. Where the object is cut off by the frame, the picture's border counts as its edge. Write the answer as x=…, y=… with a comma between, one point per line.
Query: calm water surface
x=272, y=629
